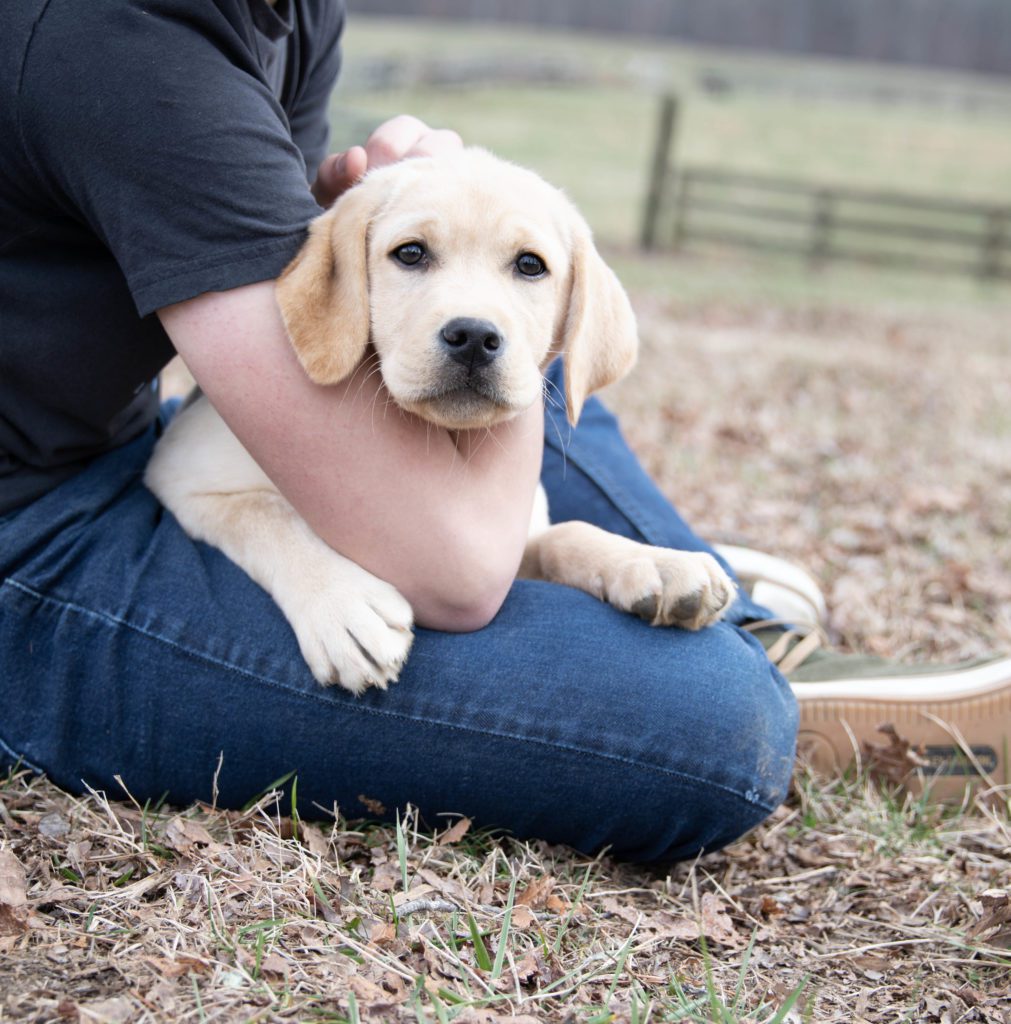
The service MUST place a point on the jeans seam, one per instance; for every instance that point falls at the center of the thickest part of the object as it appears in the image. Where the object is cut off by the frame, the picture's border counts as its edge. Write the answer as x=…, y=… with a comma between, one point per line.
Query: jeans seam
x=109, y=619
x=19, y=758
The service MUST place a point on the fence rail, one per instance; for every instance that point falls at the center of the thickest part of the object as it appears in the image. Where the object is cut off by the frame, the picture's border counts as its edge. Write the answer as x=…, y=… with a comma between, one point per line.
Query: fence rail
x=690, y=205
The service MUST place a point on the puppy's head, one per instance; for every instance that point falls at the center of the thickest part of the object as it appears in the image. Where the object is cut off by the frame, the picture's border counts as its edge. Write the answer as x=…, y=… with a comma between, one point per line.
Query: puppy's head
x=467, y=275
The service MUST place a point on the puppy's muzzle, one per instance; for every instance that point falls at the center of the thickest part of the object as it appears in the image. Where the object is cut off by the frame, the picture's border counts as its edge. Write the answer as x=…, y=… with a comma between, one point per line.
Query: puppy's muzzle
x=471, y=342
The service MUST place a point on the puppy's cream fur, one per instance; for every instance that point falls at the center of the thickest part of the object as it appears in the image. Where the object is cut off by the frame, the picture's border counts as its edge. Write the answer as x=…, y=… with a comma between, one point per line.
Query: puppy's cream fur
x=474, y=215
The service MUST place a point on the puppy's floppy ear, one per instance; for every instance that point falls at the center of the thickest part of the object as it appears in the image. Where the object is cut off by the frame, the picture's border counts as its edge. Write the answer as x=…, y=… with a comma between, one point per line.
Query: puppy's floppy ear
x=323, y=293
x=598, y=339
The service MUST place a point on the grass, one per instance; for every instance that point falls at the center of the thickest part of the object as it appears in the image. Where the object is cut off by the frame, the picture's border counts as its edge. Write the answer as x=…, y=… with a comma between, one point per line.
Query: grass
x=866, y=443
x=239, y=929
x=594, y=137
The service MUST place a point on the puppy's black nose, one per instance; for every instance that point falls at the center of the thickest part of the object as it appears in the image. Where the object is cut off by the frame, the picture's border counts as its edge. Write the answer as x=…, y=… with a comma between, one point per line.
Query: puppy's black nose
x=472, y=342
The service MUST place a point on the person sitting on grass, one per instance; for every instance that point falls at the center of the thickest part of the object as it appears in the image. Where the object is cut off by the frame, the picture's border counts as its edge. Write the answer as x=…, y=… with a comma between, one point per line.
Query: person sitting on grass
x=161, y=165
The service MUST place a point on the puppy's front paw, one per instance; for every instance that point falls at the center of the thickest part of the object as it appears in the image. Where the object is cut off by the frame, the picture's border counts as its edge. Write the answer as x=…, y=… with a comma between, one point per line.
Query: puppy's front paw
x=354, y=632
x=670, y=588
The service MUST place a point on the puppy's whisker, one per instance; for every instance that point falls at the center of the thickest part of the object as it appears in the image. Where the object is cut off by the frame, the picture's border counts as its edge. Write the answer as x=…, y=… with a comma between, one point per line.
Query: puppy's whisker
x=387, y=402
x=370, y=366
x=494, y=437
x=549, y=386
x=562, y=442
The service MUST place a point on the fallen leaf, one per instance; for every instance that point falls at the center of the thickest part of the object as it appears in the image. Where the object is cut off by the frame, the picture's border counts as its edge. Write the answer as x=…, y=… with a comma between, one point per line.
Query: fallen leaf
x=313, y=837
x=13, y=881
x=523, y=917
x=177, y=967
x=455, y=833
x=13, y=900
x=371, y=805
x=274, y=964
x=716, y=923
x=386, y=877
x=556, y=904
x=117, y=1010
x=446, y=886
x=189, y=837
x=535, y=895
x=375, y=1003
x=996, y=918
x=893, y=761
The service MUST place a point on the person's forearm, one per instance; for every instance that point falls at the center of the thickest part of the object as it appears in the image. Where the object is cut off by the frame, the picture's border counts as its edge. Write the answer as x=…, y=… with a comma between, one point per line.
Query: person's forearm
x=442, y=518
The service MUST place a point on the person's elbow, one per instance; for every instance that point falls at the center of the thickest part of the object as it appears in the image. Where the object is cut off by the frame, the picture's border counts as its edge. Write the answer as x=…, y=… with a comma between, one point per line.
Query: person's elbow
x=469, y=588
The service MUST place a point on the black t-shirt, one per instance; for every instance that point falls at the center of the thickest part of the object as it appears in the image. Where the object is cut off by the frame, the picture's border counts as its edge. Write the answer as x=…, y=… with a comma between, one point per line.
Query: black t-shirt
x=150, y=151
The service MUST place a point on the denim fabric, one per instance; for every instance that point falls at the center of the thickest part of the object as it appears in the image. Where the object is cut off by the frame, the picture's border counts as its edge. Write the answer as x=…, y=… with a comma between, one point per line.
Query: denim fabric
x=128, y=649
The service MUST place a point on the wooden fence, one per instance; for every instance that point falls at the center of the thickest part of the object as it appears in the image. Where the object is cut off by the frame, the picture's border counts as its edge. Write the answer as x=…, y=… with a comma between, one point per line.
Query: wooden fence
x=690, y=205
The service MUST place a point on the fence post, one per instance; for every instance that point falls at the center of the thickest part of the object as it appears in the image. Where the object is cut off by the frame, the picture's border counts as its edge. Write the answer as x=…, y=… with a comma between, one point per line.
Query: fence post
x=821, y=226
x=993, y=243
x=660, y=172
x=682, y=200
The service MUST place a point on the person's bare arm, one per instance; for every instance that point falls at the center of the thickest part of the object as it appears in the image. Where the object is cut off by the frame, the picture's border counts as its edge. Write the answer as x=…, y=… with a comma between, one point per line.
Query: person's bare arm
x=443, y=519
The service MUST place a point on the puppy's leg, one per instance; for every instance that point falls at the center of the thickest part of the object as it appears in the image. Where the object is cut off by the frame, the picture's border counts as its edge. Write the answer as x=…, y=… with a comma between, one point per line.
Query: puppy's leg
x=662, y=586
x=353, y=628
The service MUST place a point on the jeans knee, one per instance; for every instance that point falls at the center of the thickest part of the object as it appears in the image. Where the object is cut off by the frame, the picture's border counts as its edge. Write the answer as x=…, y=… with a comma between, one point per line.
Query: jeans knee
x=744, y=731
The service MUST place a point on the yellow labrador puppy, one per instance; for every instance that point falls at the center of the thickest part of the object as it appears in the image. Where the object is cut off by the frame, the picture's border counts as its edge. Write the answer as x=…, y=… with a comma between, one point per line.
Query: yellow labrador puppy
x=467, y=275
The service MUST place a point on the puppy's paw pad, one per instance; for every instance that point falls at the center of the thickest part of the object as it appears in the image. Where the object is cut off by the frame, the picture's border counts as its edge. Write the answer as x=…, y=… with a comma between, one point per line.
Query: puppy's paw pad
x=687, y=607
x=646, y=607
x=672, y=588
x=711, y=594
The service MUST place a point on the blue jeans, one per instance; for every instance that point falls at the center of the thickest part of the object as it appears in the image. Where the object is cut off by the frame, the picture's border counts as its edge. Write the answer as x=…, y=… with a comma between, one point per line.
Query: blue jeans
x=128, y=649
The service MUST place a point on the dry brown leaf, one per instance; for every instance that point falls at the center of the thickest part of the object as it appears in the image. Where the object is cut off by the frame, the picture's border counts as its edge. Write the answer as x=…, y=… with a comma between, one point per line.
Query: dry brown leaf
x=13, y=900
x=382, y=933
x=386, y=877
x=716, y=923
x=189, y=837
x=455, y=833
x=13, y=881
x=177, y=967
x=274, y=964
x=996, y=918
x=522, y=917
x=416, y=892
x=118, y=1010
x=312, y=836
x=535, y=895
x=447, y=886
x=680, y=929
x=373, y=806
x=556, y=904
x=375, y=1003
x=893, y=761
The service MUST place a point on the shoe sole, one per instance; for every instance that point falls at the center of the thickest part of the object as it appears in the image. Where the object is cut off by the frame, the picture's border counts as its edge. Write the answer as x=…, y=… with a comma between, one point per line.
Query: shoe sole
x=960, y=722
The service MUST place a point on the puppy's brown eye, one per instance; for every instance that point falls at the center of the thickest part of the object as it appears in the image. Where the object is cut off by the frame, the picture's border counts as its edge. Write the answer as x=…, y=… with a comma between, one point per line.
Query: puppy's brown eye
x=410, y=254
x=530, y=265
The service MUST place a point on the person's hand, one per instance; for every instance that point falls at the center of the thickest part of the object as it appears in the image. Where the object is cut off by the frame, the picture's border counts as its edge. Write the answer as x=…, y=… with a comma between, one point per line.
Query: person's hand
x=397, y=139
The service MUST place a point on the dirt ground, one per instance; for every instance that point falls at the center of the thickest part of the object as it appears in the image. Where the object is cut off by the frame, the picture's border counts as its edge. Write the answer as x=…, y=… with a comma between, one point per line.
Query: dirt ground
x=874, y=448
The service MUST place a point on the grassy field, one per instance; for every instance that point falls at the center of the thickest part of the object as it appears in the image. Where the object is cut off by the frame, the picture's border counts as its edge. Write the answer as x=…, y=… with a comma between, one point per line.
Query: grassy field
x=594, y=137
x=854, y=421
